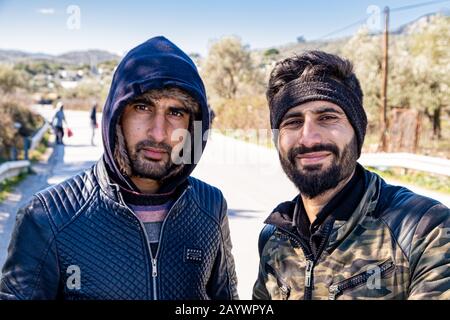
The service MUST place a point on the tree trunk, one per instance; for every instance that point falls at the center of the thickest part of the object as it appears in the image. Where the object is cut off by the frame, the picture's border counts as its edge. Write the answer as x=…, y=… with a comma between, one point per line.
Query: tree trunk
x=437, y=123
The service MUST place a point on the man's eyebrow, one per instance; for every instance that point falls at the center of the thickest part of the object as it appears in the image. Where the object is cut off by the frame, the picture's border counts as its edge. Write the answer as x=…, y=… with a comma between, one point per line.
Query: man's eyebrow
x=327, y=109
x=292, y=115
x=179, y=108
x=142, y=100
x=319, y=110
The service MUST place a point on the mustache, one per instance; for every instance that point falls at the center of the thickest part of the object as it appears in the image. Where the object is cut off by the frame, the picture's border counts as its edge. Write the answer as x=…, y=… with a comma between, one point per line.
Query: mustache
x=294, y=152
x=152, y=144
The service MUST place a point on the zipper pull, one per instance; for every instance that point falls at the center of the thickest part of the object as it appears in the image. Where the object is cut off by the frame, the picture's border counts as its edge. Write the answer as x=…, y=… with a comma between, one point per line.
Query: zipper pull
x=308, y=272
x=154, y=269
x=285, y=291
x=334, y=290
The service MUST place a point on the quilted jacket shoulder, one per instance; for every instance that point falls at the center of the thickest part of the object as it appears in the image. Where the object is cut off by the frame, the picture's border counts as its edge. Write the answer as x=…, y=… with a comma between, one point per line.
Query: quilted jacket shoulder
x=209, y=198
x=402, y=210
x=66, y=199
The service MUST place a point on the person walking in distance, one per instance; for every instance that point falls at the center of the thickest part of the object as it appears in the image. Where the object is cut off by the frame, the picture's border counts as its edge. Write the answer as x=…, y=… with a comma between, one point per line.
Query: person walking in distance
x=93, y=122
x=58, y=123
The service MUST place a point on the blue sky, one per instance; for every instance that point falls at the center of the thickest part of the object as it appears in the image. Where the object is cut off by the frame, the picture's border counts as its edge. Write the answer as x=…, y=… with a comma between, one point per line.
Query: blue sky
x=41, y=26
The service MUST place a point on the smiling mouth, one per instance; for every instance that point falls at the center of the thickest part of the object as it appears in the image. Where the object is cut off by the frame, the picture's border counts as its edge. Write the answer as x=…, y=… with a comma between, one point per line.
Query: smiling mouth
x=313, y=157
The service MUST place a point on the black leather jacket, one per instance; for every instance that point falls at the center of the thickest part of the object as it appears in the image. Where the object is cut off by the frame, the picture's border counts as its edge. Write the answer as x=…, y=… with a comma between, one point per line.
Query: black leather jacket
x=83, y=228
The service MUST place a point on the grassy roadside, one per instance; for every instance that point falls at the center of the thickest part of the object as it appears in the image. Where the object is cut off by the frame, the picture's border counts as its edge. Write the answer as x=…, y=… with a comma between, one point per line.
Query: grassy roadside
x=7, y=185
x=38, y=153
x=417, y=178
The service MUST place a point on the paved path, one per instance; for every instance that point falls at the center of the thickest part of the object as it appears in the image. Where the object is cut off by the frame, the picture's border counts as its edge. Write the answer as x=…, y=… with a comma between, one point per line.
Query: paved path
x=249, y=176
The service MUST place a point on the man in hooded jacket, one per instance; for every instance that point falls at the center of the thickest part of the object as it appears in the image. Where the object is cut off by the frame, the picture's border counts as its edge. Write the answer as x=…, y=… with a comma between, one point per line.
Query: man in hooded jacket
x=135, y=225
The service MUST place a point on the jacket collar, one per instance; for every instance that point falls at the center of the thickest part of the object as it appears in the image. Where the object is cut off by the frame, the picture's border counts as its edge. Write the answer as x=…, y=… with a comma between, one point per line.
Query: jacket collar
x=366, y=207
x=109, y=187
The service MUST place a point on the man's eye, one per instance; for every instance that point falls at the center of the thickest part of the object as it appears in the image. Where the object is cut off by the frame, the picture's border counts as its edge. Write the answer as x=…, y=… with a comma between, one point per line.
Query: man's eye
x=293, y=123
x=328, y=118
x=176, y=113
x=141, y=107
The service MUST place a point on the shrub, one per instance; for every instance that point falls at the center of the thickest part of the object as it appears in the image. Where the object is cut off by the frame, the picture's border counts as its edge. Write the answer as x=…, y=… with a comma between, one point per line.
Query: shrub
x=13, y=110
x=248, y=112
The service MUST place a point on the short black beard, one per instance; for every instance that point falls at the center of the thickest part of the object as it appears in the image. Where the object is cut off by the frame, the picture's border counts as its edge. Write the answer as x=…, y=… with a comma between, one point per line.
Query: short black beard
x=148, y=169
x=311, y=181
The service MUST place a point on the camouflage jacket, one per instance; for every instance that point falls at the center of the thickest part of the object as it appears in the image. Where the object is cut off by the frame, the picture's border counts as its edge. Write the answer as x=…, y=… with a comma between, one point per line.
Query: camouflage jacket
x=394, y=246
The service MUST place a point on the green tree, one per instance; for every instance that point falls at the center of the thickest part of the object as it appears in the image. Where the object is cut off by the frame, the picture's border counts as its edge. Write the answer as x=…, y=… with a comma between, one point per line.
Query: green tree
x=364, y=50
x=271, y=52
x=430, y=67
x=401, y=80
x=228, y=67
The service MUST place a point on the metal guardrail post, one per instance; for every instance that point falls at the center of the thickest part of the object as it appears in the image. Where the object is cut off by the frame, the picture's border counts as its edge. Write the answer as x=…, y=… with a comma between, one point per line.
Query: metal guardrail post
x=26, y=147
x=14, y=153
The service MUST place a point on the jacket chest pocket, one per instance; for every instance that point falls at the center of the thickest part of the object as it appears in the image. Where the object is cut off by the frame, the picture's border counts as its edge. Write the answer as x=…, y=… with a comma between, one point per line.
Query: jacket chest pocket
x=371, y=278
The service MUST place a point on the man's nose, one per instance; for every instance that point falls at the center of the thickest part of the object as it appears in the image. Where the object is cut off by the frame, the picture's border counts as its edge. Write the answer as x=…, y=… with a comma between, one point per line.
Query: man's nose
x=157, y=130
x=310, y=134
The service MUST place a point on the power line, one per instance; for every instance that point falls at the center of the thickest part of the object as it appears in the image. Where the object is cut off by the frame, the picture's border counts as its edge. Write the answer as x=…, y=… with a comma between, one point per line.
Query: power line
x=343, y=28
x=417, y=5
x=360, y=21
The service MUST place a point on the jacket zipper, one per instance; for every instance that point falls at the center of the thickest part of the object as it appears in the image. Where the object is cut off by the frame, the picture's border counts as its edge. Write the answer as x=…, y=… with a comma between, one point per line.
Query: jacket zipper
x=154, y=260
x=309, y=274
x=355, y=281
x=310, y=260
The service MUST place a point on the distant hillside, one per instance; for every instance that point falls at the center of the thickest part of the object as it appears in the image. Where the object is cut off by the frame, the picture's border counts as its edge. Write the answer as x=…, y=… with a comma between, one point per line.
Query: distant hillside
x=15, y=55
x=332, y=46
x=73, y=57
x=87, y=57
x=413, y=26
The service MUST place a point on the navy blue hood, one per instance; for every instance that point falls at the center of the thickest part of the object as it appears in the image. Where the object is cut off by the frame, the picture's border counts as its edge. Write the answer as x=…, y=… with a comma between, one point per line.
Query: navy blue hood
x=154, y=64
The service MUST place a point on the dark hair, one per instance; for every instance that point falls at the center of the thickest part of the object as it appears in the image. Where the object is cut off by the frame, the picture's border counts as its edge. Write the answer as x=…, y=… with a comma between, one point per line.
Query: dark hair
x=311, y=65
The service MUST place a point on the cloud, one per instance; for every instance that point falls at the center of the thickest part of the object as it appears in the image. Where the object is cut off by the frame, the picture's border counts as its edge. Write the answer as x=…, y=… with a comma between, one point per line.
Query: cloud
x=46, y=11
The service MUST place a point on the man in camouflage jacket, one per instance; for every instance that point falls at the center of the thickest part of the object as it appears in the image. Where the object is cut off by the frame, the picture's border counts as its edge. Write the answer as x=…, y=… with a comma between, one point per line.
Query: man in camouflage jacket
x=348, y=234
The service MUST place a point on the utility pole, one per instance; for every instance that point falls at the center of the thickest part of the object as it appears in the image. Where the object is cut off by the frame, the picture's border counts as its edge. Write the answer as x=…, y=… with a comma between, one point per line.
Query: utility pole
x=384, y=76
